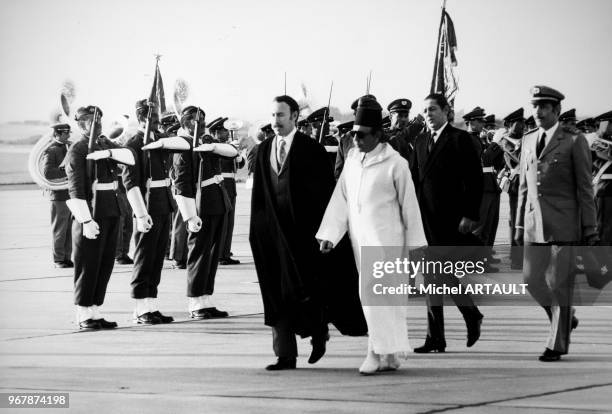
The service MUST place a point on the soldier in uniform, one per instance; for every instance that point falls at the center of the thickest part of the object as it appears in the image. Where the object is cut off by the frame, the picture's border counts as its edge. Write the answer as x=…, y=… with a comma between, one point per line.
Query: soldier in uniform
x=402, y=132
x=203, y=202
x=229, y=167
x=61, y=218
x=475, y=120
x=305, y=127
x=555, y=212
x=92, y=186
x=530, y=123
x=148, y=191
x=511, y=144
x=603, y=181
x=568, y=119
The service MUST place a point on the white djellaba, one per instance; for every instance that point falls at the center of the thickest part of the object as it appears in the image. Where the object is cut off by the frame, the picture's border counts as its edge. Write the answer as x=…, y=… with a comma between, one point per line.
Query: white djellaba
x=375, y=201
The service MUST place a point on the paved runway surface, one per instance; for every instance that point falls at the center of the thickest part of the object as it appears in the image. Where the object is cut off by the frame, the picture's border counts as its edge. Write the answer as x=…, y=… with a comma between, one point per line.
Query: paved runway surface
x=217, y=365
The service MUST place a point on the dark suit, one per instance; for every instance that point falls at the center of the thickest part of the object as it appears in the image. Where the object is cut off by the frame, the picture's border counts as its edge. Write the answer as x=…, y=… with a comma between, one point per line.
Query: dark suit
x=556, y=210
x=448, y=183
x=229, y=168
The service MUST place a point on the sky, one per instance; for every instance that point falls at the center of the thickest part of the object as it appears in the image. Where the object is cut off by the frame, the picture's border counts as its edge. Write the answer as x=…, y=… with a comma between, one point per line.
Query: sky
x=234, y=53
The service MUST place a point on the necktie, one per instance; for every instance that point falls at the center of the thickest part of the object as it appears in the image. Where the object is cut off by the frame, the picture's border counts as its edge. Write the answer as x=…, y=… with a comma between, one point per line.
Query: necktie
x=541, y=144
x=282, y=153
x=430, y=143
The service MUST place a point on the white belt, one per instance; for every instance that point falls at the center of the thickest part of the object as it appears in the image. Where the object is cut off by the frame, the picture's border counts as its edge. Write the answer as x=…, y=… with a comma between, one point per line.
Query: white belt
x=217, y=179
x=158, y=183
x=228, y=175
x=488, y=170
x=606, y=177
x=105, y=186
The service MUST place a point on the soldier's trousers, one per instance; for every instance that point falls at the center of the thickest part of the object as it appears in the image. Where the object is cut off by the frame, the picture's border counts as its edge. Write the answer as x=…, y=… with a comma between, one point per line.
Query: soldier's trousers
x=548, y=272
x=516, y=251
x=126, y=227
x=204, y=248
x=486, y=230
x=604, y=219
x=93, y=261
x=226, y=246
x=61, y=227
x=149, y=257
x=178, y=238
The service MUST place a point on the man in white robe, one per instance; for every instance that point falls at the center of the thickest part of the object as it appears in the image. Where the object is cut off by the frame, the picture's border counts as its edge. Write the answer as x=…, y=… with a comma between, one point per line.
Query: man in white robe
x=375, y=201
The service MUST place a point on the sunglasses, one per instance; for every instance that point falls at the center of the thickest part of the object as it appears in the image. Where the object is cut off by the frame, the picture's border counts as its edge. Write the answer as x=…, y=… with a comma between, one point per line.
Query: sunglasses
x=358, y=134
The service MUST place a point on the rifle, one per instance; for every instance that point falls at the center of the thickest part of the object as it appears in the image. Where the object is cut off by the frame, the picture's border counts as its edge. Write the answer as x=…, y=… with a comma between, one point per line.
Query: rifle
x=90, y=148
x=326, y=114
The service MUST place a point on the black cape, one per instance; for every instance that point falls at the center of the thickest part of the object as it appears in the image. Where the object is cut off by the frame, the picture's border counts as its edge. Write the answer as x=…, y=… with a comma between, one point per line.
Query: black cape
x=290, y=268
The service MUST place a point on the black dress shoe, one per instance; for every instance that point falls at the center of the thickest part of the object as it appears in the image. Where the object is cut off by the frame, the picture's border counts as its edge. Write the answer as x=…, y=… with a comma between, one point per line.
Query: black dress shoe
x=147, y=319
x=430, y=346
x=473, y=331
x=228, y=261
x=178, y=264
x=550, y=356
x=62, y=265
x=89, y=324
x=104, y=324
x=318, y=348
x=124, y=260
x=163, y=318
x=216, y=313
x=574, y=322
x=282, y=363
x=200, y=314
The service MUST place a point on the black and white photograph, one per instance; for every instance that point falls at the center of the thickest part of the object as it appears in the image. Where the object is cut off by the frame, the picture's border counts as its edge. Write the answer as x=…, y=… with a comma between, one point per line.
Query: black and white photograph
x=341, y=206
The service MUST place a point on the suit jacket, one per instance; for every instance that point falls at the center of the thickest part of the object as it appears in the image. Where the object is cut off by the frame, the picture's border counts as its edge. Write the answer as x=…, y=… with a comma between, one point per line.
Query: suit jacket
x=448, y=183
x=555, y=201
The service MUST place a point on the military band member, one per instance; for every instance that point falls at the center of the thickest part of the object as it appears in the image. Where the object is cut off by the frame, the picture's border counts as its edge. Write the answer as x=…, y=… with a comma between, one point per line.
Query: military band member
x=402, y=133
x=555, y=212
x=475, y=120
x=203, y=203
x=61, y=219
x=511, y=144
x=93, y=203
x=148, y=191
x=568, y=119
x=229, y=168
x=603, y=180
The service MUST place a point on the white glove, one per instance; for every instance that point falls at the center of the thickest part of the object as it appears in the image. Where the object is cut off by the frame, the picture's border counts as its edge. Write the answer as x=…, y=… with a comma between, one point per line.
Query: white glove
x=91, y=229
x=144, y=223
x=99, y=155
x=153, y=145
x=194, y=224
x=205, y=148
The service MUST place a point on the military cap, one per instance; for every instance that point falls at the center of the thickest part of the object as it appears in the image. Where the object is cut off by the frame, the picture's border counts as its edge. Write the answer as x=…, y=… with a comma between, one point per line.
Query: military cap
x=545, y=93
x=345, y=126
x=568, y=115
x=317, y=115
x=168, y=118
x=489, y=120
x=585, y=122
x=386, y=122
x=191, y=110
x=368, y=114
x=86, y=110
x=302, y=123
x=400, y=105
x=606, y=116
x=217, y=124
x=144, y=104
x=356, y=101
x=475, y=114
x=61, y=127
x=266, y=128
x=530, y=121
x=517, y=115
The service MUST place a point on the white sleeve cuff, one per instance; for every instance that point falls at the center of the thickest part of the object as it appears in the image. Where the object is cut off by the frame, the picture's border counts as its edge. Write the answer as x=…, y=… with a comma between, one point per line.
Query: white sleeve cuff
x=187, y=206
x=175, y=143
x=134, y=196
x=79, y=209
x=123, y=155
x=225, y=150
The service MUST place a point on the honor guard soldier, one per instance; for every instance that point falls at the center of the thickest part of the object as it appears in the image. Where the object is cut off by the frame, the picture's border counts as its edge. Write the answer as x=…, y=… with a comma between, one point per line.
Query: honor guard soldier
x=52, y=160
x=320, y=120
x=402, y=133
x=229, y=167
x=509, y=182
x=556, y=212
x=148, y=191
x=305, y=127
x=91, y=167
x=568, y=119
x=603, y=178
x=475, y=120
x=203, y=203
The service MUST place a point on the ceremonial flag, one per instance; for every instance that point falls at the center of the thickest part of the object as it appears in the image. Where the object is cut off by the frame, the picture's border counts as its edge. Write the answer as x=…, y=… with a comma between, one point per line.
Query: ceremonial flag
x=444, y=80
x=157, y=91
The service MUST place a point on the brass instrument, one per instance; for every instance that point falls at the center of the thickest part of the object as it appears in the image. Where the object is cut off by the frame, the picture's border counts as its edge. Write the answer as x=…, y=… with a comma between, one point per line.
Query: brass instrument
x=600, y=145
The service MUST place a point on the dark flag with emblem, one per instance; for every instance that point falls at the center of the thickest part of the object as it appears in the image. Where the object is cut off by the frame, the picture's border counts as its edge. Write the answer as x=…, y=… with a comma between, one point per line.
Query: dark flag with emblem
x=157, y=91
x=444, y=80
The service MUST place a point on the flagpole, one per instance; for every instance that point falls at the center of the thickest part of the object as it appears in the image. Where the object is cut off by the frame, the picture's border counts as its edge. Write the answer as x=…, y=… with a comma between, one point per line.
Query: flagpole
x=436, y=60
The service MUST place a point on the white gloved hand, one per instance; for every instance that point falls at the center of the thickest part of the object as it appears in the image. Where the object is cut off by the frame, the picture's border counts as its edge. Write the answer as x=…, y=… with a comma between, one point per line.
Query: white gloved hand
x=205, y=148
x=144, y=223
x=153, y=145
x=194, y=224
x=91, y=230
x=99, y=155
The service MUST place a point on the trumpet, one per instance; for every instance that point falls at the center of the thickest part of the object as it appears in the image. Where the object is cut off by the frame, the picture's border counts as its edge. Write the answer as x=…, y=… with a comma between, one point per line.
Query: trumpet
x=599, y=144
